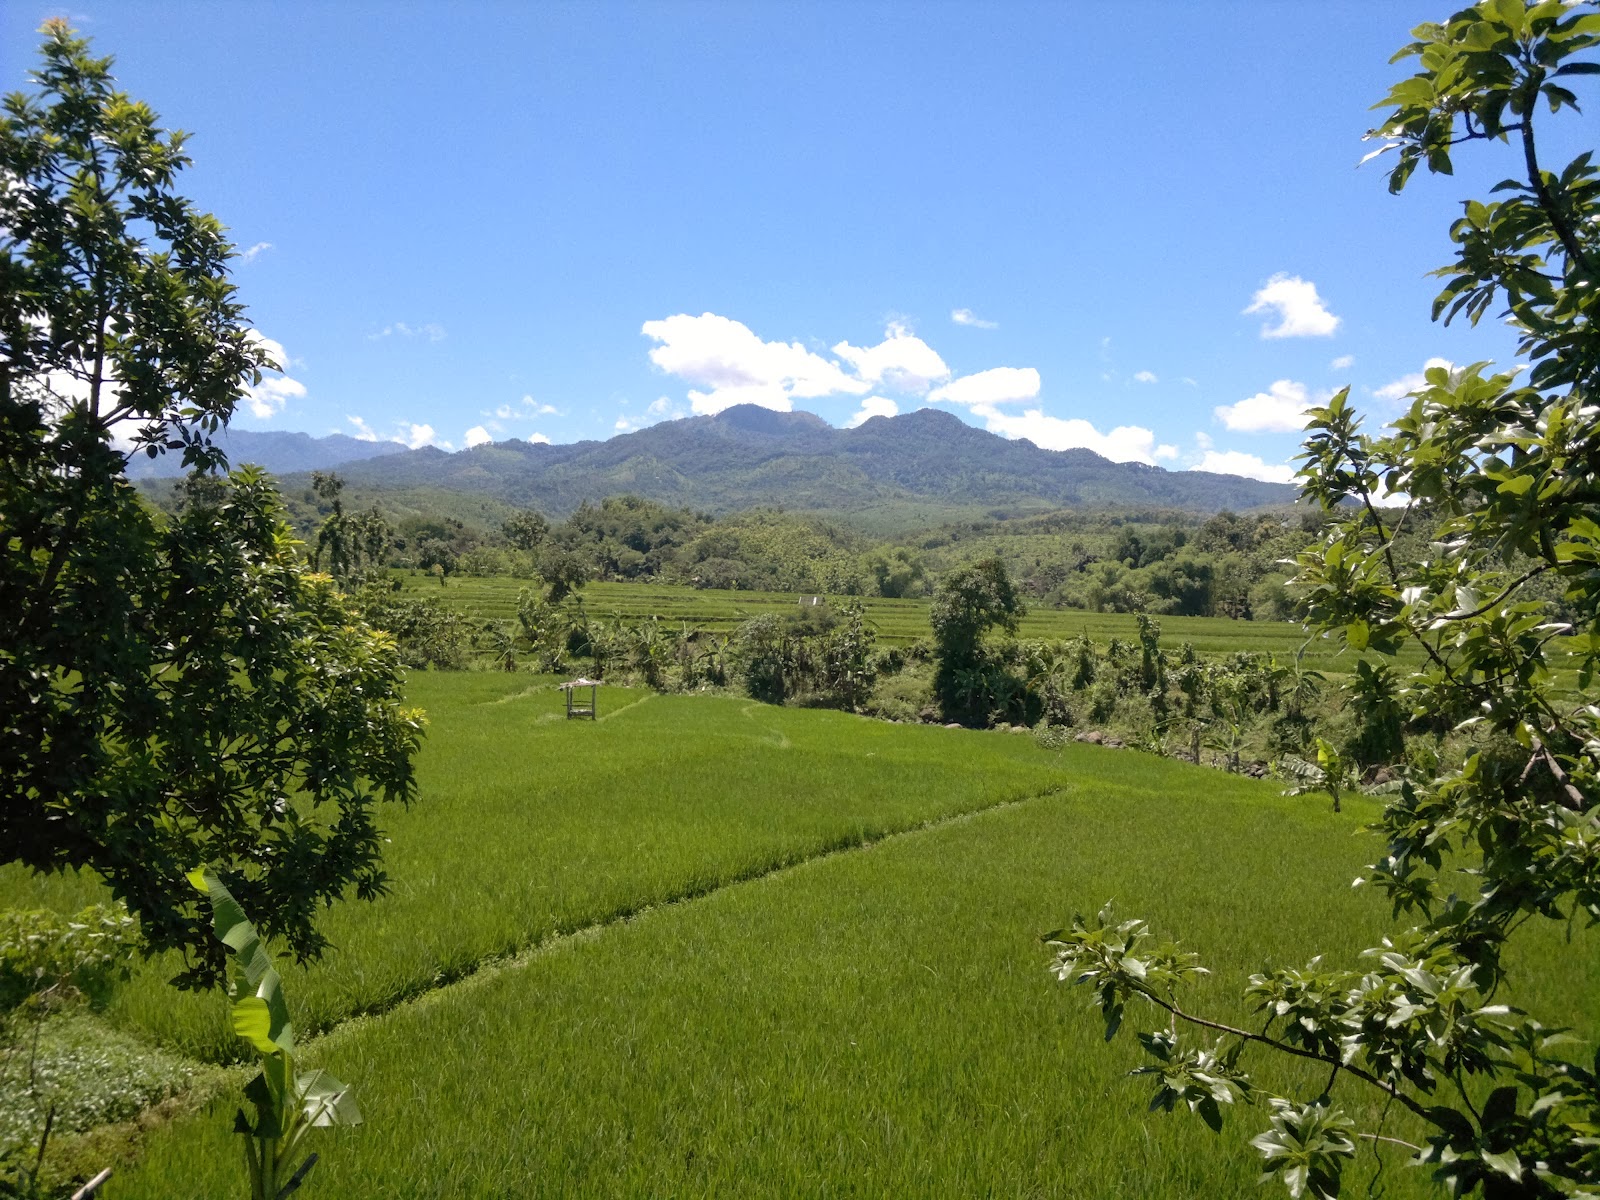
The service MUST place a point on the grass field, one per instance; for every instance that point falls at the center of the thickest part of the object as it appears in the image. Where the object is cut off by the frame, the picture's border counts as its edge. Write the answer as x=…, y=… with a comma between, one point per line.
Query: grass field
x=741, y=950
x=897, y=622
x=530, y=826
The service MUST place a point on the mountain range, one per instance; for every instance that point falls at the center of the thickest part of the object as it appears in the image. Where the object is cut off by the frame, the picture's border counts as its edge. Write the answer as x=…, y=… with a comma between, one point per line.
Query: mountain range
x=747, y=456
x=280, y=453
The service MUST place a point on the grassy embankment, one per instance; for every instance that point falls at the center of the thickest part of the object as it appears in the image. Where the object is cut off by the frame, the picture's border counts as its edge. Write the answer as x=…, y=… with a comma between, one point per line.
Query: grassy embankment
x=873, y=1021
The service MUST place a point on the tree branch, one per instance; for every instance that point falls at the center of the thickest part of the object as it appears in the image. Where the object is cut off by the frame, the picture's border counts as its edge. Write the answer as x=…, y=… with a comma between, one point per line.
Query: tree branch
x=1387, y=1089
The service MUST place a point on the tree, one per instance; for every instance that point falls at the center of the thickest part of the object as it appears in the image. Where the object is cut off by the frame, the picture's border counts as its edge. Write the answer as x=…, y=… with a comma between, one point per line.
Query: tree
x=173, y=692
x=525, y=530
x=1499, y=477
x=970, y=601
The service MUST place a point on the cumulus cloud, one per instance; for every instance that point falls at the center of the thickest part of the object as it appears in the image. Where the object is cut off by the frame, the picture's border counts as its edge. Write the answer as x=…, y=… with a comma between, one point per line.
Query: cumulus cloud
x=418, y=436
x=1125, y=443
x=1298, y=308
x=872, y=406
x=364, y=432
x=1279, y=409
x=1145, y=377
x=1415, y=381
x=254, y=252
x=432, y=331
x=1343, y=363
x=997, y=385
x=762, y=395
x=527, y=411
x=731, y=365
x=477, y=436
x=965, y=316
x=268, y=398
x=902, y=361
x=1236, y=462
x=538, y=438
x=662, y=408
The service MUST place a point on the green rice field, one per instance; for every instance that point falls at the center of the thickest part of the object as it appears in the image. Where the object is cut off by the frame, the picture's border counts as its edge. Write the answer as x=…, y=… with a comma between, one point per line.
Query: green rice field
x=706, y=947
x=897, y=622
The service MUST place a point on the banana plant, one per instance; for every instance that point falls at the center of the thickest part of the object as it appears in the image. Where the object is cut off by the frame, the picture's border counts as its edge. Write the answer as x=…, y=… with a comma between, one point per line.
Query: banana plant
x=288, y=1104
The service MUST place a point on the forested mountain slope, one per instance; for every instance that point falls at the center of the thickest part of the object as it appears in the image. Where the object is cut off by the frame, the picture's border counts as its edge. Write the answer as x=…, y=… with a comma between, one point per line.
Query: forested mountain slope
x=279, y=452
x=747, y=456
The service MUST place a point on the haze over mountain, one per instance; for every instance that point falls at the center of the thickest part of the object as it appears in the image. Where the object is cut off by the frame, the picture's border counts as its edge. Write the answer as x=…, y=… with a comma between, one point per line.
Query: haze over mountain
x=746, y=456
x=280, y=453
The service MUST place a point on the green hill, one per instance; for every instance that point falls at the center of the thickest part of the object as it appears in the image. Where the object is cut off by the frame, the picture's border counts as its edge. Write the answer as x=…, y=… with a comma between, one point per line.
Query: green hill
x=748, y=456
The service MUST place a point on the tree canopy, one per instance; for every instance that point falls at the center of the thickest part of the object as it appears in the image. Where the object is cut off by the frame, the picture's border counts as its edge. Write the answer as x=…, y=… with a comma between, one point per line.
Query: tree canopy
x=1494, y=476
x=177, y=692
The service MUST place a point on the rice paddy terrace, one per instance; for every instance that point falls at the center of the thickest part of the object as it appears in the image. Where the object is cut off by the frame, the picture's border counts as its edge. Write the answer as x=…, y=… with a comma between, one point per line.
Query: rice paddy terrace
x=703, y=946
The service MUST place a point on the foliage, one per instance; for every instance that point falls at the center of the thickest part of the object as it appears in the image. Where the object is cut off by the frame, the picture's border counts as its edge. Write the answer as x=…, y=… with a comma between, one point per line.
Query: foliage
x=425, y=632
x=170, y=690
x=287, y=1103
x=354, y=545
x=71, y=1074
x=823, y=656
x=1499, y=480
x=969, y=603
x=47, y=961
x=45, y=955
x=525, y=530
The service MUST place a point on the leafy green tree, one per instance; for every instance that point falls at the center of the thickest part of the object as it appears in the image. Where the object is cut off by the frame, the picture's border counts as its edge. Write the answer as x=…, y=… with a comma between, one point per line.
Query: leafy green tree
x=563, y=573
x=334, y=538
x=170, y=692
x=525, y=530
x=1501, y=478
x=969, y=602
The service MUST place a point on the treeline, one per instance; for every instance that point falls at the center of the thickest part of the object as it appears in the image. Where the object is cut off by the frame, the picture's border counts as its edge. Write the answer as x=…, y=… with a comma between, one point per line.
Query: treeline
x=1178, y=564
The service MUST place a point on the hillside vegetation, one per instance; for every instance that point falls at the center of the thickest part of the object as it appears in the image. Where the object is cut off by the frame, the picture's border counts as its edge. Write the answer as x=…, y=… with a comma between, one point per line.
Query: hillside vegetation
x=746, y=456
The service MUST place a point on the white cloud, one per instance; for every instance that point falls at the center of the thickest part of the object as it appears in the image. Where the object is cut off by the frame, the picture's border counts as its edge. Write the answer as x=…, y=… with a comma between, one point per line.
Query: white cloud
x=1145, y=377
x=662, y=408
x=623, y=425
x=268, y=398
x=418, y=436
x=872, y=406
x=1279, y=409
x=540, y=410
x=1125, y=443
x=1343, y=363
x=902, y=361
x=965, y=316
x=538, y=438
x=1190, y=382
x=1235, y=462
x=1298, y=308
x=477, y=436
x=1415, y=381
x=364, y=432
x=1166, y=451
x=432, y=331
x=254, y=252
x=997, y=385
x=731, y=365
x=762, y=395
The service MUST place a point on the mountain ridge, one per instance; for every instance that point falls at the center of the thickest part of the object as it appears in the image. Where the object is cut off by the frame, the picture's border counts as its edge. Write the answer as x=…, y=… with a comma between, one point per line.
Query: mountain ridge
x=746, y=456
x=280, y=452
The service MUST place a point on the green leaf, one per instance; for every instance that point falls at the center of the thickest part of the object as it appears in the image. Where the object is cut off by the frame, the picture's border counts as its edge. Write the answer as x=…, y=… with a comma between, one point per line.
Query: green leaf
x=1505, y=1163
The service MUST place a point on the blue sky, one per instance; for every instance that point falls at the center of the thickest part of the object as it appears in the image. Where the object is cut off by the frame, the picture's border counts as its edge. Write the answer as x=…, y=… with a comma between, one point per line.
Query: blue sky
x=1135, y=228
